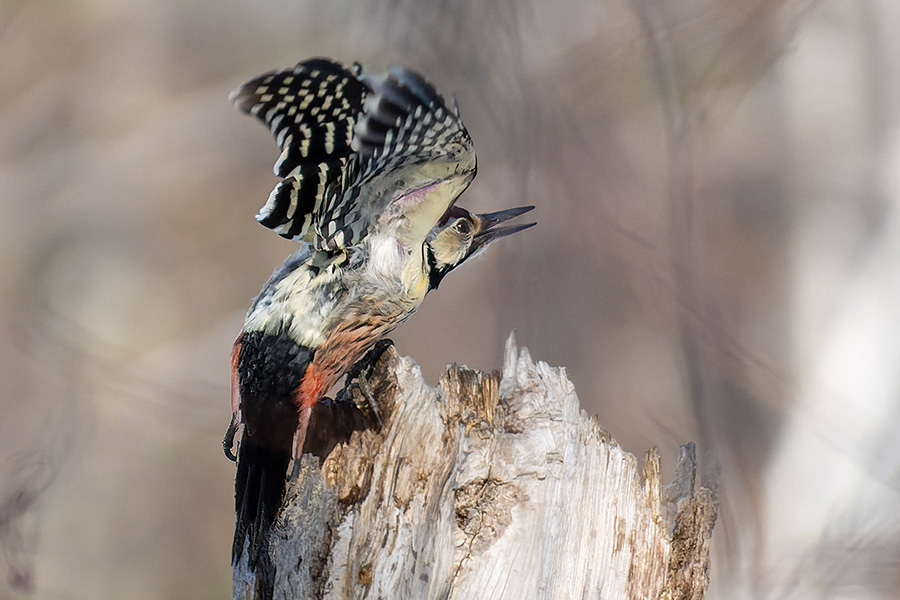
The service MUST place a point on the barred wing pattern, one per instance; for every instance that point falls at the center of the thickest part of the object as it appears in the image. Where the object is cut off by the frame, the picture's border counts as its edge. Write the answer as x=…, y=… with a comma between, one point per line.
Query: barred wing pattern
x=351, y=144
x=311, y=111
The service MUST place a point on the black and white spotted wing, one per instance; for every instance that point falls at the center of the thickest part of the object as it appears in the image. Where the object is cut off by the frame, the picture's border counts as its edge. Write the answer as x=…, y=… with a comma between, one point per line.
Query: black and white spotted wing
x=409, y=138
x=349, y=145
x=311, y=111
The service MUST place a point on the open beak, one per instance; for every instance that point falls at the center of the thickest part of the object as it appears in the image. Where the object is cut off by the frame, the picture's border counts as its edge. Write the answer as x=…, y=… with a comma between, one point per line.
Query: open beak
x=488, y=230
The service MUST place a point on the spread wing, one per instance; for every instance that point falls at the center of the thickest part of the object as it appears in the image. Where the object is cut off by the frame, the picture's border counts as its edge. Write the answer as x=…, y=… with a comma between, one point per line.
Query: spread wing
x=311, y=111
x=357, y=150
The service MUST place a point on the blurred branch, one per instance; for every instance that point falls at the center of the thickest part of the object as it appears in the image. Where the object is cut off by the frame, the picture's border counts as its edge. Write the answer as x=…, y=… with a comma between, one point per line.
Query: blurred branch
x=743, y=43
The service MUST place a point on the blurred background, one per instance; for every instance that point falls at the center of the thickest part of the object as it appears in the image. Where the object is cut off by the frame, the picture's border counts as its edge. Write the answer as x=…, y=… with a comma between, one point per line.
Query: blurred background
x=717, y=259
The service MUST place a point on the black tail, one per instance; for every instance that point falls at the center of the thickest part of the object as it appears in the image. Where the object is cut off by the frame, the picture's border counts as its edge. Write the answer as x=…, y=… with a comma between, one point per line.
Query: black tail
x=258, y=493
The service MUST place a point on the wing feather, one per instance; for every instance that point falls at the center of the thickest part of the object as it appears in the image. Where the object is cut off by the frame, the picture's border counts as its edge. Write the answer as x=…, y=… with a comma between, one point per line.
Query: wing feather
x=354, y=146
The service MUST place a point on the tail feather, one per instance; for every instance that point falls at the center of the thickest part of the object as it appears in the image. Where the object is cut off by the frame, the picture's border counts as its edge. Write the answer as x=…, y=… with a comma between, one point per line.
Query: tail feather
x=258, y=493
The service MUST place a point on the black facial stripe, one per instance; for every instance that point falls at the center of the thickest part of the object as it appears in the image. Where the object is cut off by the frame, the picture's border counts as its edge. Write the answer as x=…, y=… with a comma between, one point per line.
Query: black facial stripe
x=435, y=274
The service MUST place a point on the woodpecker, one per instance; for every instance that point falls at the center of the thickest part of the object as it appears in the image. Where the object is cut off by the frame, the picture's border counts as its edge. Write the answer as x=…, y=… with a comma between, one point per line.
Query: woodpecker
x=371, y=167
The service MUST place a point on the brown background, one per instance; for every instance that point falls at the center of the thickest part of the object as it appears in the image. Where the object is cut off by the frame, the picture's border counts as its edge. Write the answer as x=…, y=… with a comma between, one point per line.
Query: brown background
x=716, y=260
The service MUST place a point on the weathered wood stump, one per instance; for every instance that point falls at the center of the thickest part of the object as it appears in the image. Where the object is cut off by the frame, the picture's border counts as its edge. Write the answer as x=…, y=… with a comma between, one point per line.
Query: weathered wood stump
x=489, y=486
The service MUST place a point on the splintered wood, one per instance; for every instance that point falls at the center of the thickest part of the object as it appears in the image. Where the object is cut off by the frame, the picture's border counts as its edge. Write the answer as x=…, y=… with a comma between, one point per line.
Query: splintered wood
x=492, y=486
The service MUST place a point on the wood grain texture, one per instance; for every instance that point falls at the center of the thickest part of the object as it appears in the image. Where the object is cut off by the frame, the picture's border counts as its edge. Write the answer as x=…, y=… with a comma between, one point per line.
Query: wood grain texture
x=491, y=486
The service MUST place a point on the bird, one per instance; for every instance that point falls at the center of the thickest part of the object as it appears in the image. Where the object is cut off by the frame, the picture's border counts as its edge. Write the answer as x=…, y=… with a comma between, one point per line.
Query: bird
x=371, y=167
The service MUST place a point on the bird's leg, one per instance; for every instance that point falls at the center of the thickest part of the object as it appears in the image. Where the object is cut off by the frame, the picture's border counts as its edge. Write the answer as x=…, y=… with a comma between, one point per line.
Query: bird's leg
x=358, y=379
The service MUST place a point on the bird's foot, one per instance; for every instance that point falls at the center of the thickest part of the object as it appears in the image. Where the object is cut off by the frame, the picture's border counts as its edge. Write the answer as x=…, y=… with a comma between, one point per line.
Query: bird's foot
x=357, y=390
x=230, y=433
x=365, y=365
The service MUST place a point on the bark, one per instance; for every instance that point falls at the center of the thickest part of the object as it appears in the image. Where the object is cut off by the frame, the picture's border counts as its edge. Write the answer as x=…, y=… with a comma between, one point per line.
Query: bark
x=489, y=486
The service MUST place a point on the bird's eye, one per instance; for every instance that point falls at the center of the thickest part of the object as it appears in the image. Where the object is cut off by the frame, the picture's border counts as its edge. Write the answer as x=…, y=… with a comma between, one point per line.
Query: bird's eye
x=463, y=226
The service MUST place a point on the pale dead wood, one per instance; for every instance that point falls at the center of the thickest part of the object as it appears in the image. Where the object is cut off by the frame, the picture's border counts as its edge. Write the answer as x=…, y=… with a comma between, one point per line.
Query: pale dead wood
x=490, y=486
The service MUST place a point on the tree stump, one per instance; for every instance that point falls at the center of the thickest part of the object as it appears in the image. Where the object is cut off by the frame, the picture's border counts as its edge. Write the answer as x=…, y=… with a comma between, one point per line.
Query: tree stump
x=491, y=486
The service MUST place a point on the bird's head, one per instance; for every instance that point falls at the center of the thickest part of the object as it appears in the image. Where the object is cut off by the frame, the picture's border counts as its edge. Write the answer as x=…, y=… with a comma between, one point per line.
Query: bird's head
x=461, y=235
